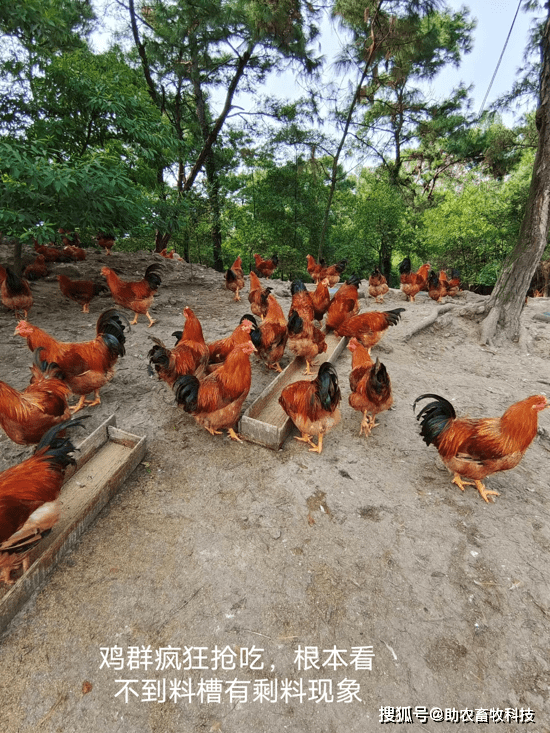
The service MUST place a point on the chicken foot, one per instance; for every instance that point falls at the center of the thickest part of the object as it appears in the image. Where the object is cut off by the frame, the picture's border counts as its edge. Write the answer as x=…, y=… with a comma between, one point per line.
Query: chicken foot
x=478, y=484
x=83, y=402
x=319, y=447
x=151, y=320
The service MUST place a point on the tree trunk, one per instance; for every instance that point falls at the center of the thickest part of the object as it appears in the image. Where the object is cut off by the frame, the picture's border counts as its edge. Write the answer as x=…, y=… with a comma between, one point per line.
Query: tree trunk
x=508, y=297
x=214, y=201
x=17, y=257
x=161, y=240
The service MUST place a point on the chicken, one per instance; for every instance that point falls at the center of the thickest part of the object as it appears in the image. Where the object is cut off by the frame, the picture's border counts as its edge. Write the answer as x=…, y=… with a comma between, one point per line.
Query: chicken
x=15, y=291
x=413, y=282
x=172, y=255
x=81, y=291
x=378, y=285
x=266, y=268
x=305, y=339
x=313, y=268
x=312, y=405
x=234, y=278
x=50, y=254
x=74, y=252
x=25, y=416
x=333, y=272
x=257, y=296
x=29, y=492
x=86, y=366
x=106, y=241
x=219, y=350
x=344, y=304
x=189, y=355
x=36, y=269
x=476, y=448
x=136, y=296
x=270, y=339
x=361, y=362
x=301, y=302
x=320, y=299
x=215, y=401
x=370, y=387
x=437, y=288
x=453, y=285
x=368, y=328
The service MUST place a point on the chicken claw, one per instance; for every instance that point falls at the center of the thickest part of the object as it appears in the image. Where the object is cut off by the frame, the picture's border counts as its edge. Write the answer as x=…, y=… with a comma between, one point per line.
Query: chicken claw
x=233, y=435
x=484, y=493
x=319, y=447
x=365, y=425
x=479, y=486
x=304, y=439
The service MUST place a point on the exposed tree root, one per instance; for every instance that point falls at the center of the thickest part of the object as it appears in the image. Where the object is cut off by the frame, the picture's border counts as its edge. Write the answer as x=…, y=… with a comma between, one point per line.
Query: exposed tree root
x=428, y=321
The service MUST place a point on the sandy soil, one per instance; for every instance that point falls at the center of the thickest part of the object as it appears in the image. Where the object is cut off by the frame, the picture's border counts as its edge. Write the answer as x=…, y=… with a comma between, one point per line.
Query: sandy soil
x=366, y=548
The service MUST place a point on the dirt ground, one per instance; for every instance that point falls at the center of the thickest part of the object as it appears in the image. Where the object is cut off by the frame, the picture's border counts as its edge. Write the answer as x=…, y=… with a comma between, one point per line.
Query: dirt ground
x=295, y=592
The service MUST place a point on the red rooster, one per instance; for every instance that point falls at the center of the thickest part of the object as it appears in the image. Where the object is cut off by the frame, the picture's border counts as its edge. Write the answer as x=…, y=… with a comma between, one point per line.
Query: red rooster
x=234, y=278
x=266, y=268
x=476, y=448
x=15, y=291
x=344, y=304
x=320, y=299
x=257, y=296
x=378, y=285
x=81, y=291
x=188, y=356
x=219, y=350
x=413, y=282
x=313, y=268
x=215, y=401
x=368, y=328
x=86, y=366
x=370, y=387
x=270, y=339
x=136, y=296
x=25, y=416
x=313, y=405
x=333, y=272
x=301, y=302
x=29, y=493
x=36, y=269
x=106, y=242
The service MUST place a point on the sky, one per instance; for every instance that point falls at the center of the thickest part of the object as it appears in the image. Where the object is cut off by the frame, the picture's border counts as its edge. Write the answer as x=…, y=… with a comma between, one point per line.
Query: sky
x=494, y=19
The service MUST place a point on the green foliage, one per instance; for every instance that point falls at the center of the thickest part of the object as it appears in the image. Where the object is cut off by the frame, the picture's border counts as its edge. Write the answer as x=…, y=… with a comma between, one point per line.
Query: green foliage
x=476, y=229
x=39, y=194
x=277, y=209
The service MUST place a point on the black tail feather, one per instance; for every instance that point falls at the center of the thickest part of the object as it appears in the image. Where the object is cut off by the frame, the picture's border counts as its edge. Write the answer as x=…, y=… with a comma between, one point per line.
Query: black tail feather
x=394, y=315
x=58, y=449
x=434, y=417
x=295, y=323
x=328, y=390
x=186, y=389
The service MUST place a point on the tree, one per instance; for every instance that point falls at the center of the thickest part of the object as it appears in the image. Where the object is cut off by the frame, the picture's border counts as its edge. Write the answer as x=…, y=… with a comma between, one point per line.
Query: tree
x=190, y=51
x=393, y=43
x=508, y=298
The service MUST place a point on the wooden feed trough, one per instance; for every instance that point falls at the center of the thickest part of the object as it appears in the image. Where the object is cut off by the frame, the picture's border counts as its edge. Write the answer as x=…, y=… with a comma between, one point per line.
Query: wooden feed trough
x=105, y=460
x=265, y=422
